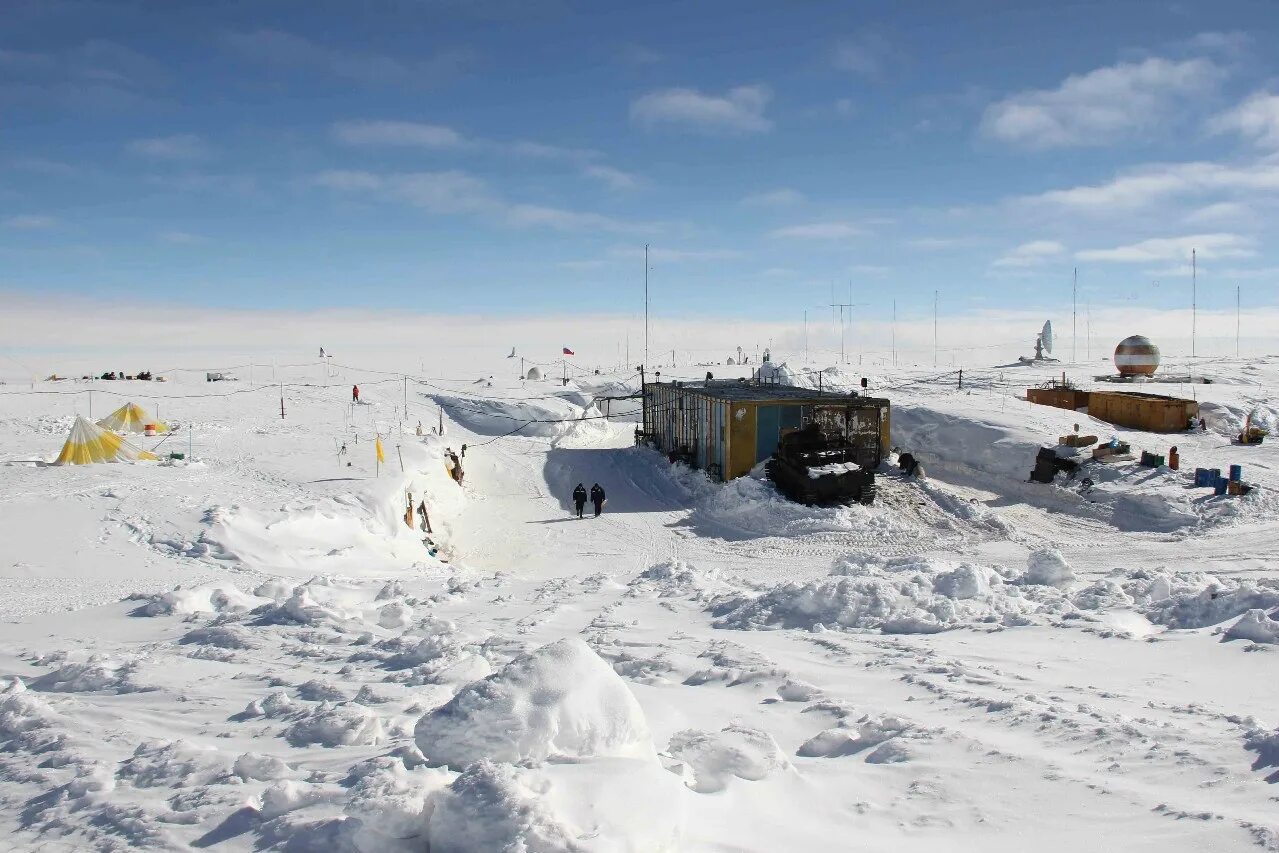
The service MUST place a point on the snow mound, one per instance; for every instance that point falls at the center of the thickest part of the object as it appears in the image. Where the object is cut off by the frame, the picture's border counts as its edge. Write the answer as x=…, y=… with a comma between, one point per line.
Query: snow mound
x=906, y=595
x=752, y=504
x=715, y=758
x=1256, y=626
x=172, y=764
x=865, y=733
x=181, y=601
x=347, y=724
x=610, y=804
x=1197, y=600
x=1047, y=567
x=99, y=674
x=560, y=701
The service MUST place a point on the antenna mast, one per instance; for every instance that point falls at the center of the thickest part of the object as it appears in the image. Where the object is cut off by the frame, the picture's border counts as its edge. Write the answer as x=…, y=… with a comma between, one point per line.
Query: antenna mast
x=894, y=333
x=1236, y=321
x=1074, y=314
x=645, y=304
x=935, y=328
x=1194, y=300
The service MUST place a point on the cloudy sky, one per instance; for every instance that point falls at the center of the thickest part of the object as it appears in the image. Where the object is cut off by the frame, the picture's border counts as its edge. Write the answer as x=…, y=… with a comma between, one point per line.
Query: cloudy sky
x=515, y=157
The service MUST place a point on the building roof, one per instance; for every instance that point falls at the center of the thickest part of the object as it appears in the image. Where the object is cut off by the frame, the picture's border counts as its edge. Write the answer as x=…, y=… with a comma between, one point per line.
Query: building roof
x=739, y=391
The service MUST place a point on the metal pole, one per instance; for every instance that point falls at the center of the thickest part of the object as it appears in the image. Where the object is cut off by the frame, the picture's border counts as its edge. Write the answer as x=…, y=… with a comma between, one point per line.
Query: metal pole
x=894, y=333
x=281, y=400
x=406, y=396
x=935, y=293
x=1074, y=314
x=1194, y=300
x=1236, y=321
x=645, y=303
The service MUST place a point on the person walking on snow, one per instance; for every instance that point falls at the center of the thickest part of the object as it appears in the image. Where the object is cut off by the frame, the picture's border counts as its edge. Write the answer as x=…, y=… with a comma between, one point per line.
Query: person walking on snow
x=579, y=498
x=355, y=393
x=597, y=498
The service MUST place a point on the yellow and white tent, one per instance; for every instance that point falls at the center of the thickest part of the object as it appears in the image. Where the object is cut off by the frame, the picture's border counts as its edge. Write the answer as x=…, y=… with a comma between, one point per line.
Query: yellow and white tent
x=131, y=418
x=89, y=443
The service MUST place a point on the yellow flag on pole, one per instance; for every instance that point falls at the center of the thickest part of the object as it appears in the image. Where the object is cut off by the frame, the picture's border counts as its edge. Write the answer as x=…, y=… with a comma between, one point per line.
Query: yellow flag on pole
x=380, y=456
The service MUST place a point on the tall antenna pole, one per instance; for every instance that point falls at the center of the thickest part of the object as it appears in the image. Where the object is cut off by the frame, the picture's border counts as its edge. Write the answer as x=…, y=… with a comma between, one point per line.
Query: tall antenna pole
x=1194, y=300
x=1074, y=314
x=646, y=304
x=935, y=328
x=805, y=336
x=894, y=333
x=1237, y=321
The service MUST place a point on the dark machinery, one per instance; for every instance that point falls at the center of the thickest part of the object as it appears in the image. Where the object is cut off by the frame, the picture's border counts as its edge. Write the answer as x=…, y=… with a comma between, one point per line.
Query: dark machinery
x=795, y=468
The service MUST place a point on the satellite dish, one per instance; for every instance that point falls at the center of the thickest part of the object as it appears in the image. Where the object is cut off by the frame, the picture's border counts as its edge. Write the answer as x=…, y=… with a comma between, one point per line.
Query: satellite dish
x=1046, y=336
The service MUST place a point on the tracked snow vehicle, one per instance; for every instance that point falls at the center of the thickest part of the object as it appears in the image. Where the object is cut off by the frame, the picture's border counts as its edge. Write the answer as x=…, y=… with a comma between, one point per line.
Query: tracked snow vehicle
x=817, y=465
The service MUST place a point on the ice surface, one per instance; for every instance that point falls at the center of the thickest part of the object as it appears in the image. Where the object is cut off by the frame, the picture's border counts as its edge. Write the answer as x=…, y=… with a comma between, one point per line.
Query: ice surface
x=255, y=652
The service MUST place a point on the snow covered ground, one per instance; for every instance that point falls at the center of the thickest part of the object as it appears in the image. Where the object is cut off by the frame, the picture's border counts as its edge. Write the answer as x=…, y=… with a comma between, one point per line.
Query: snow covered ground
x=248, y=649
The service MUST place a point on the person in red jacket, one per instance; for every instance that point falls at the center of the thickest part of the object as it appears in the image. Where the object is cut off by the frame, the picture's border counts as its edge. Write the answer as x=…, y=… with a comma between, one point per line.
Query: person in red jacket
x=355, y=393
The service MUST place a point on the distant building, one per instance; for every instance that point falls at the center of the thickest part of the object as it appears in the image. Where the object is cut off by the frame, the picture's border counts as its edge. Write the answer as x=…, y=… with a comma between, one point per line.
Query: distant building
x=727, y=427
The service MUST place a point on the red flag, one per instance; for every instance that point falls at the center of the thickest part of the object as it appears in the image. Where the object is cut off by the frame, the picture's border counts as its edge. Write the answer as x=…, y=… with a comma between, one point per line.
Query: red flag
x=568, y=351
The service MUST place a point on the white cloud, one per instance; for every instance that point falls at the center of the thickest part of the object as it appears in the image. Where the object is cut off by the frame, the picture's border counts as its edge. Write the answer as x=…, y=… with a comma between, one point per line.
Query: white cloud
x=740, y=110
x=775, y=198
x=940, y=243
x=347, y=179
x=457, y=192
x=1152, y=184
x=1218, y=212
x=275, y=47
x=1207, y=246
x=181, y=238
x=179, y=146
x=660, y=255
x=396, y=133
x=1255, y=119
x=1102, y=106
x=863, y=54
x=820, y=231
x=1030, y=254
x=29, y=221
x=611, y=177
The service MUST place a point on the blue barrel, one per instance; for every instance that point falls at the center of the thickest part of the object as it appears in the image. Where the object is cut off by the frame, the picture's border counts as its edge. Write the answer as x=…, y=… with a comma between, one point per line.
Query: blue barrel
x=1219, y=487
x=1236, y=473
x=1203, y=478
x=1214, y=474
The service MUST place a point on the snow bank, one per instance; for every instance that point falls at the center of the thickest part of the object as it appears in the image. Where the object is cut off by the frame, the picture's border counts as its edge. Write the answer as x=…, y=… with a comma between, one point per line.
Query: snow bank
x=907, y=595
x=545, y=417
x=752, y=504
x=560, y=701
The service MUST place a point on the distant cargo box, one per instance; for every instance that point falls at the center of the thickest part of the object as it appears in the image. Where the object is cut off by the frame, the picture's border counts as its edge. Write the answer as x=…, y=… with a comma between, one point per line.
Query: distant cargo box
x=1150, y=412
x=1133, y=409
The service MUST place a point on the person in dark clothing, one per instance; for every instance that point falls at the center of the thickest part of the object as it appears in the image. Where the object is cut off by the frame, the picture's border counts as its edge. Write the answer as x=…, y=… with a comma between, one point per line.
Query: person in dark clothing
x=597, y=498
x=355, y=393
x=579, y=498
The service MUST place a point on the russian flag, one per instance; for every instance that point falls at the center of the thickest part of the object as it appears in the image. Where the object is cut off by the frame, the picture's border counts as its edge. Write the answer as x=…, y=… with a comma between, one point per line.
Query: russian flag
x=568, y=351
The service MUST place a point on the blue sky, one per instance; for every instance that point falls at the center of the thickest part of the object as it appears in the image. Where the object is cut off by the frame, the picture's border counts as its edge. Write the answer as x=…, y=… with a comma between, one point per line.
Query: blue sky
x=515, y=157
